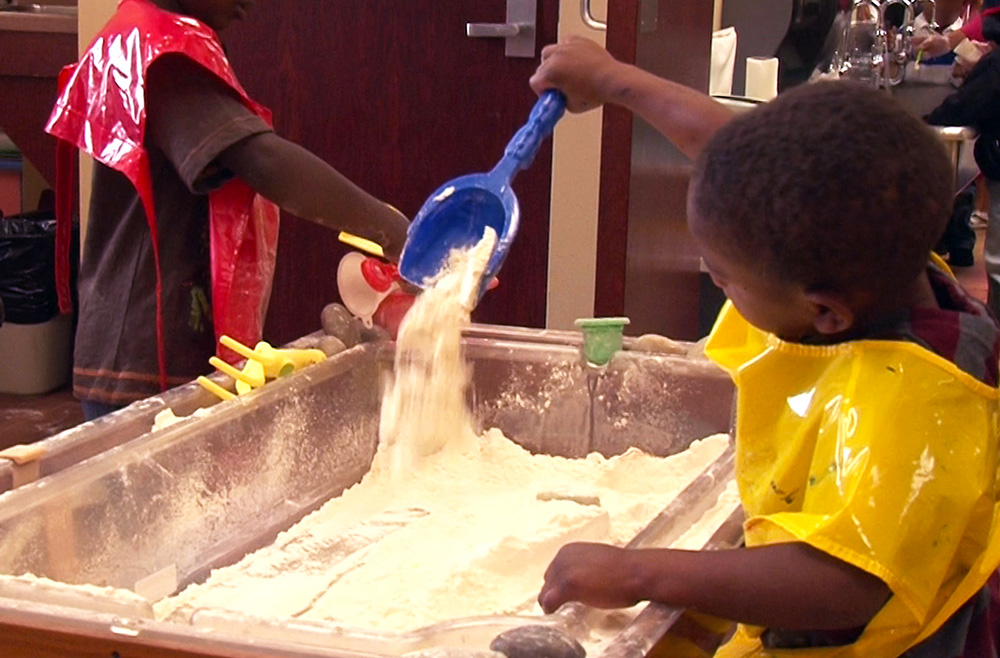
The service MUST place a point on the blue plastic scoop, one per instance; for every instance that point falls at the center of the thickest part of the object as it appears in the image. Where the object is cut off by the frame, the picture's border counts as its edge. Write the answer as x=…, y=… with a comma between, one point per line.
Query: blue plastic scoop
x=457, y=214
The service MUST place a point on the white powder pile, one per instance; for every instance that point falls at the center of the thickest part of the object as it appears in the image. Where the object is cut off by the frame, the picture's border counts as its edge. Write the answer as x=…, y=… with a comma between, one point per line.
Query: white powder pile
x=468, y=534
x=445, y=524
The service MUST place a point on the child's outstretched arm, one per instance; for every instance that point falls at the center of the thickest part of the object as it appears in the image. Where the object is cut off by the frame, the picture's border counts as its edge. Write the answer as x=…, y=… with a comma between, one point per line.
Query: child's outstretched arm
x=591, y=77
x=938, y=44
x=306, y=186
x=783, y=586
x=222, y=138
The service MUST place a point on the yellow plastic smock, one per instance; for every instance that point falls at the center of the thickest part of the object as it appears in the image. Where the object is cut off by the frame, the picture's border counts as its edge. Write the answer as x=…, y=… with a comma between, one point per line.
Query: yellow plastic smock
x=877, y=452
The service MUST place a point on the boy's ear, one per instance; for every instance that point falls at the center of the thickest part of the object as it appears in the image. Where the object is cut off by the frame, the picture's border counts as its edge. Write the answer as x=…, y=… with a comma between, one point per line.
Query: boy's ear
x=832, y=312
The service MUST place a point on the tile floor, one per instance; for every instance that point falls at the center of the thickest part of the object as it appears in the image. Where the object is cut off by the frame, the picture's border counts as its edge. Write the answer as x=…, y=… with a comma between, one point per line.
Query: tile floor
x=24, y=419
x=28, y=418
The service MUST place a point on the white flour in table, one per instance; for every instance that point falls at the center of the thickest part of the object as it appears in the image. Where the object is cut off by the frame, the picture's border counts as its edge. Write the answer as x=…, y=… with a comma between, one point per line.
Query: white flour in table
x=445, y=524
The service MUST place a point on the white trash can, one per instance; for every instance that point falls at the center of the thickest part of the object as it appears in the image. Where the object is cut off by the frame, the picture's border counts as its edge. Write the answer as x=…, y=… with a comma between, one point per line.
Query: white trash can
x=35, y=358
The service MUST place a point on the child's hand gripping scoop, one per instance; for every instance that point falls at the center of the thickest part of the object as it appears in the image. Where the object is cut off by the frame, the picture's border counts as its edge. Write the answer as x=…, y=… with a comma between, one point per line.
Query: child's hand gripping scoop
x=456, y=215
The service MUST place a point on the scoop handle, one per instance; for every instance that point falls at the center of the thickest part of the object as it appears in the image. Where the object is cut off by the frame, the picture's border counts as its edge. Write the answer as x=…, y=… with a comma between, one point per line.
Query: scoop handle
x=542, y=121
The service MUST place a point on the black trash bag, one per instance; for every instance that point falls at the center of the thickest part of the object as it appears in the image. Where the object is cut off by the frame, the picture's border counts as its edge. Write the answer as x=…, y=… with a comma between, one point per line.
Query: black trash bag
x=959, y=239
x=27, y=267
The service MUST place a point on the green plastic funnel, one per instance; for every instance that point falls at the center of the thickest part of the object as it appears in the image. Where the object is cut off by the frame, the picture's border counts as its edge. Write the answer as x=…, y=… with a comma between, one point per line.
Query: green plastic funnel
x=602, y=337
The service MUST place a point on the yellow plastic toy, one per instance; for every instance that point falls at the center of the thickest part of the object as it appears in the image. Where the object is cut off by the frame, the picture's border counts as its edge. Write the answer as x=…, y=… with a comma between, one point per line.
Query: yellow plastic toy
x=276, y=362
x=251, y=377
x=215, y=389
x=263, y=362
x=363, y=244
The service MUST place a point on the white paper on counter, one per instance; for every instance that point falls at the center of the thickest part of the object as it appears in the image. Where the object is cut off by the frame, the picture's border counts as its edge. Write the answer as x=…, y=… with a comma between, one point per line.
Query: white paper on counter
x=723, y=62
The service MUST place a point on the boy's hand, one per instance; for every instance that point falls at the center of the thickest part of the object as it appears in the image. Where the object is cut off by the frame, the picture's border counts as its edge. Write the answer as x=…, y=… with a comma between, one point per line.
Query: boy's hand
x=595, y=574
x=579, y=68
x=933, y=45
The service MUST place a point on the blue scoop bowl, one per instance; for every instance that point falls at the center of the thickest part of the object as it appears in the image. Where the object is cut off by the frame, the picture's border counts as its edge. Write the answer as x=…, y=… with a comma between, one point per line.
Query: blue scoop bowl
x=457, y=214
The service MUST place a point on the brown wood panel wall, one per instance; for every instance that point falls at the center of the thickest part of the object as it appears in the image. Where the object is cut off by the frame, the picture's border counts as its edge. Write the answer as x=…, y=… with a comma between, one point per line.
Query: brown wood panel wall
x=29, y=65
x=396, y=97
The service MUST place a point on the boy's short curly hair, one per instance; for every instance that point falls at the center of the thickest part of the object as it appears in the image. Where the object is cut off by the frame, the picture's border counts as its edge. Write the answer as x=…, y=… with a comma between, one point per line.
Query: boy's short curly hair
x=831, y=185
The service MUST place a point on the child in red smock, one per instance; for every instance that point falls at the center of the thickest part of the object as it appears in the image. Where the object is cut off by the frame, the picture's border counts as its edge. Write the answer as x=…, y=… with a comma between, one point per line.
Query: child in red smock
x=183, y=219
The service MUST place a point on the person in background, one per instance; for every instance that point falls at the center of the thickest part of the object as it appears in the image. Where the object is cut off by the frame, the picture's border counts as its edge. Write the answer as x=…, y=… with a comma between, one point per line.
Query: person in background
x=866, y=424
x=183, y=222
x=974, y=31
x=946, y=17
x=975, y=103
x=981, y=210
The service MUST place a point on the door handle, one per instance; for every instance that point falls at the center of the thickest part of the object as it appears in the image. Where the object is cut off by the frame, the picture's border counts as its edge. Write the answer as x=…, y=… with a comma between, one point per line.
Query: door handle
x=490, y=30
x=587, y=14
x=519, y=30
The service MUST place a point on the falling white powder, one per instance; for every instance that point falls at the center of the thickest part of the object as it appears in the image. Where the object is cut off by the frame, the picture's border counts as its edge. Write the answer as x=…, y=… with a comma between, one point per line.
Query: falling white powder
x=424, y=408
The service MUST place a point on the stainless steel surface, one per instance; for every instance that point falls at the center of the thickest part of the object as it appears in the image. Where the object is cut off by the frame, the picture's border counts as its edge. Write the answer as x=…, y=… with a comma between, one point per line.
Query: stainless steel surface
x=22, y=16
x=492, y=30
x=519, y=30
x=958, y=141
x=35, y=8
x=895, y=47
x=587, y=14
x=955, y=134
x=180, y=501
x=22, y=21
x=921, y=99
x=932, y=23
x=870, y=49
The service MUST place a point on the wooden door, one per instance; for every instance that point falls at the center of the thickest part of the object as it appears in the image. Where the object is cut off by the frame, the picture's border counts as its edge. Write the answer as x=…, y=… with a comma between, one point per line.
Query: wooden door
x=395, y=96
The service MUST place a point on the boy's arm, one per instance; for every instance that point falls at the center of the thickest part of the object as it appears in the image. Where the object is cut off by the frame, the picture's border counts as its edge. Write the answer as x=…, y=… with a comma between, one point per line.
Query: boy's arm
x=783, y=586
x=209, y=135
x=590, y=77
x=306, y=186
x=936, y=45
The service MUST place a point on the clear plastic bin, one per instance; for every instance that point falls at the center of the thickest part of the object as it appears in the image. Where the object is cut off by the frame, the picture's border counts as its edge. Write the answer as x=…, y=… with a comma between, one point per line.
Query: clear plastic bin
x=160, y=509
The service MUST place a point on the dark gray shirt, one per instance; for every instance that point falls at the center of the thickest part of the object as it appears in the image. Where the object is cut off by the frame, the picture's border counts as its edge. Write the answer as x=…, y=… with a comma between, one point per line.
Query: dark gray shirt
x=191, y=118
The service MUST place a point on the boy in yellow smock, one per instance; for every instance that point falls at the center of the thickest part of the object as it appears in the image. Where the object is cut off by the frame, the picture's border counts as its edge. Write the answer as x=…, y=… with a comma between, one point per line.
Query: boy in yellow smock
x=867, y=414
